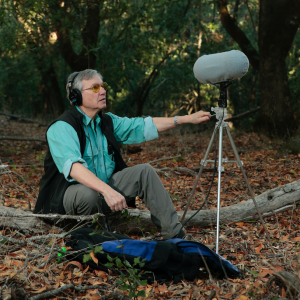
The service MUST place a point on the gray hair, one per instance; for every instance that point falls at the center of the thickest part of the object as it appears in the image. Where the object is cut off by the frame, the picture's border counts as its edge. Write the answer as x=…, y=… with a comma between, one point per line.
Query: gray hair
x=83, y=75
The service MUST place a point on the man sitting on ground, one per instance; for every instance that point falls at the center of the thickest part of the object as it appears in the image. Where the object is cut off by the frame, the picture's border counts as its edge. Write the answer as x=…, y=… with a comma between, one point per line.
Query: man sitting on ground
x=84, y=170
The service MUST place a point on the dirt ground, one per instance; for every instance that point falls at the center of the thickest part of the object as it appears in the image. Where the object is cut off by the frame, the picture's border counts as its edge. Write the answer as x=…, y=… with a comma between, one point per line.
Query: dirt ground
x=244, y=243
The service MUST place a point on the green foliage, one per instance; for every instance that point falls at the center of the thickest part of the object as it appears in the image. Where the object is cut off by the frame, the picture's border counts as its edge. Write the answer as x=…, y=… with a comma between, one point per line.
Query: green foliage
x=4, y=242
x=41, y=156
x=253, y=293
x=254, y=274
x=132, y=279
x=61, y=254
x=87, y=256
x=145, y=50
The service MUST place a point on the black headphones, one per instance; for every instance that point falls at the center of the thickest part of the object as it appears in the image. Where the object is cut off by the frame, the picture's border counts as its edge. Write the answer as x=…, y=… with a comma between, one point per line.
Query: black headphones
x=74, y=94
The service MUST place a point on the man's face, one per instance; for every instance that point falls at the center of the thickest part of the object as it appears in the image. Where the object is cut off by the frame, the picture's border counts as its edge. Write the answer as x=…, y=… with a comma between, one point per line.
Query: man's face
x=91, y=100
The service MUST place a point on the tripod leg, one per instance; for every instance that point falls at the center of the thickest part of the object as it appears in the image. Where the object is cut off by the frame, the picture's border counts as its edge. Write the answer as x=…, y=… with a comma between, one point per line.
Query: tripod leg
x=220, y=170
x=200, y=172
x=247, y=182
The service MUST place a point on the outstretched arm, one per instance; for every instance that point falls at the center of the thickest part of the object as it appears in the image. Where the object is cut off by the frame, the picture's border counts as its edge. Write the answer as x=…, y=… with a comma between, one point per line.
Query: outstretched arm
x=163, y=124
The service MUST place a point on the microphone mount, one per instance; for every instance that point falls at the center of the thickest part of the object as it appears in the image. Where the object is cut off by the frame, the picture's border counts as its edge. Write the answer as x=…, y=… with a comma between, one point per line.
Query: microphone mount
x=222, y=101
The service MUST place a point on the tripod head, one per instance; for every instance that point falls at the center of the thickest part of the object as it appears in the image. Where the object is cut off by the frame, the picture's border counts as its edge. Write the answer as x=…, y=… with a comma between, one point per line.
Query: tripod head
x=221, y=113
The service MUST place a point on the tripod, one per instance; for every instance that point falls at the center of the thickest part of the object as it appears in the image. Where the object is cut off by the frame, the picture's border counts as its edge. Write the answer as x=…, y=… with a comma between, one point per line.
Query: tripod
x=221, y=114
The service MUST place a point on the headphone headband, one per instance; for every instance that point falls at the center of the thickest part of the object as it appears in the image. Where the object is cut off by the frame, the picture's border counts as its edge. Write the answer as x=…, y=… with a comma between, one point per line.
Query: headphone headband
x=74, y=94
x=72, y=80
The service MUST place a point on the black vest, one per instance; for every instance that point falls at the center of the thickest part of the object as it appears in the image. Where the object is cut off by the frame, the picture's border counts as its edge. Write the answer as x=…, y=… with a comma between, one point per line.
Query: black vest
x=53, y=184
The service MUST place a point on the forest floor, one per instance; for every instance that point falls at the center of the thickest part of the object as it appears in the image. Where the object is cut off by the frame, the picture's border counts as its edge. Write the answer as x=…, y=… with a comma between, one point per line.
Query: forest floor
x=245, y=245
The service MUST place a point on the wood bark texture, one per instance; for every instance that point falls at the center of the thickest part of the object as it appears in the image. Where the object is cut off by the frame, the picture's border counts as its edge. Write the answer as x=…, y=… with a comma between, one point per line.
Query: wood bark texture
x=18, y=219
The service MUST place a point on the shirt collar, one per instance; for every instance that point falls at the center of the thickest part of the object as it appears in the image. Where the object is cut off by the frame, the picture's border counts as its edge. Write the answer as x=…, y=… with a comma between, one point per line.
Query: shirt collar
x=86, y=119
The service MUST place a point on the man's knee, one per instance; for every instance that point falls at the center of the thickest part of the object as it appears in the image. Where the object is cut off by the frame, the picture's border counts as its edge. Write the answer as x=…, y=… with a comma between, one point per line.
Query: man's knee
x=88, y=196
x=147, y=168
x=79, y=199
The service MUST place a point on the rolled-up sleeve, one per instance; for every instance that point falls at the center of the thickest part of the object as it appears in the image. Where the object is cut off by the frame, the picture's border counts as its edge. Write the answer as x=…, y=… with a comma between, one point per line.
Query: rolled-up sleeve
x=64, y=147
x=150, y=130
x=133, y=130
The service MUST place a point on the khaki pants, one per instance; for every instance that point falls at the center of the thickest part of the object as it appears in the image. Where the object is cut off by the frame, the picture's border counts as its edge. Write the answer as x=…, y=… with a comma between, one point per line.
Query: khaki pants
x=141, y=181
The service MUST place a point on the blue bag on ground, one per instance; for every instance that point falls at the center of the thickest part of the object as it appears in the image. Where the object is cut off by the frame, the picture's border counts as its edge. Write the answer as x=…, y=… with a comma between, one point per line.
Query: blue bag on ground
x=173, y=259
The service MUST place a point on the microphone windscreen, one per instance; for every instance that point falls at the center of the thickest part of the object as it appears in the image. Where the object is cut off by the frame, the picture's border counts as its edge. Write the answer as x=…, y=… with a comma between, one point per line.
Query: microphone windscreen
x=225, y=66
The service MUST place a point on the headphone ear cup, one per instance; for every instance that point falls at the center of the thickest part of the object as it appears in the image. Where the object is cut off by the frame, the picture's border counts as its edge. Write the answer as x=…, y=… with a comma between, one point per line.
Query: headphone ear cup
x=76, y=97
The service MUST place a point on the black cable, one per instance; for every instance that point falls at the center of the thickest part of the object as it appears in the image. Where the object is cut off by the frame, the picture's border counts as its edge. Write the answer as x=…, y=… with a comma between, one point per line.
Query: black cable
x=207, y=193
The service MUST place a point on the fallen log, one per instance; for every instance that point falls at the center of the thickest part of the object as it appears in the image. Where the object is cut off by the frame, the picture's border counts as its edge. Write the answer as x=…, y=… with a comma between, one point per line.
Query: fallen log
x=18, y=219
x=22, y=138
x=22, y=119
x=285, y=280
x=269, y=203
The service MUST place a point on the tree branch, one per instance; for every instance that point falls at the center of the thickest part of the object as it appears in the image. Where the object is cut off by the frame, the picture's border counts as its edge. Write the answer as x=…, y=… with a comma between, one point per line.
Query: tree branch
x=164, y=158
x=235, y=11
x=243, y=115
x=115, y=294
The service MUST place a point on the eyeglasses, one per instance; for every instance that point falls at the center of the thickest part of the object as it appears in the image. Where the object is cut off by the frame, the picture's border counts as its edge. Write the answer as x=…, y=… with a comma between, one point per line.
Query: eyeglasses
x=96, y=87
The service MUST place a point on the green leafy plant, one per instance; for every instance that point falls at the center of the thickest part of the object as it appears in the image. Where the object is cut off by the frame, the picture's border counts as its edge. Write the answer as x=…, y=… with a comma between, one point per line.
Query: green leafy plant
x=131, y=274
x=34, y=168
x=252, y=293
x=97, y=249
x=180, y=158
x=254, y=274
x=131, y=282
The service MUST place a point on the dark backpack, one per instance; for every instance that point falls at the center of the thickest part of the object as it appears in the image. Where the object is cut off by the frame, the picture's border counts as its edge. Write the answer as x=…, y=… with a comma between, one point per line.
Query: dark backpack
x=174, y=259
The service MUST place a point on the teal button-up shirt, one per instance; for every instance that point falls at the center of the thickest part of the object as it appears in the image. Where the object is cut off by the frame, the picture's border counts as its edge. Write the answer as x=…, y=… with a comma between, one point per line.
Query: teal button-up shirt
x=65, y=148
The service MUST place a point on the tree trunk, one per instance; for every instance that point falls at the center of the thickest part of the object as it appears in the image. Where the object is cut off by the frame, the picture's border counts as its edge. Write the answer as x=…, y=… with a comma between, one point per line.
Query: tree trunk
x=271, y=202
x=53, y=100
x=278, y=24
x=86, y=59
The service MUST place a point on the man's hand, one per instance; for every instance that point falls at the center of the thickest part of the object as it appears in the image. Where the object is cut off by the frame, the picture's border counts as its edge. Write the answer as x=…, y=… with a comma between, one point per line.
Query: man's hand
x=200, y=117
x=163, y=124
x=114, y=199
